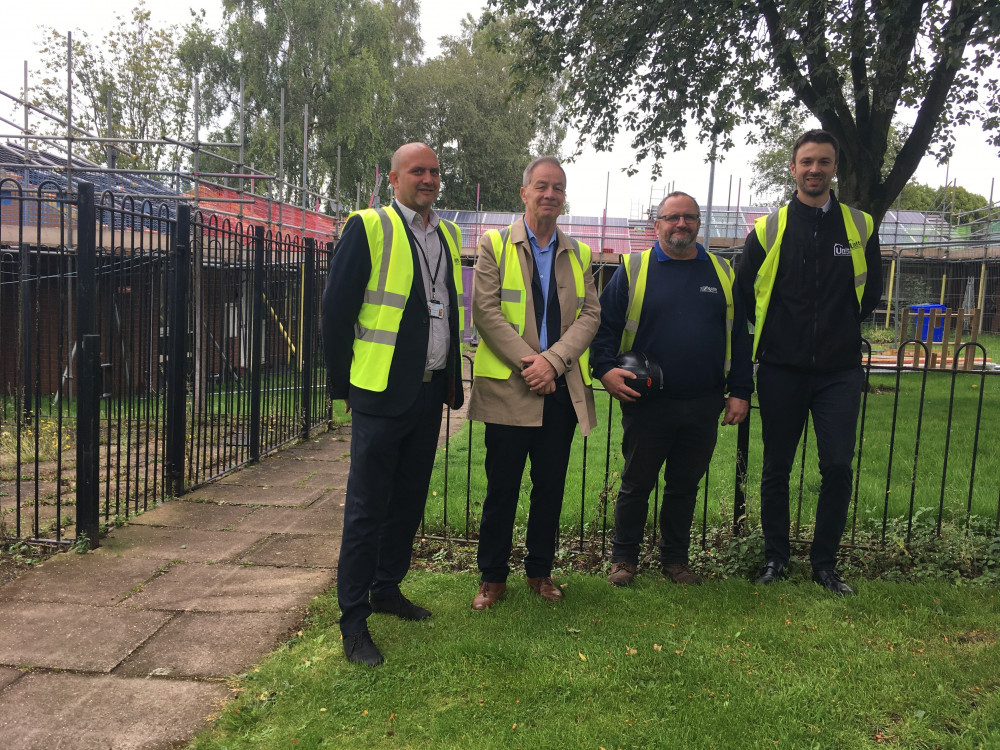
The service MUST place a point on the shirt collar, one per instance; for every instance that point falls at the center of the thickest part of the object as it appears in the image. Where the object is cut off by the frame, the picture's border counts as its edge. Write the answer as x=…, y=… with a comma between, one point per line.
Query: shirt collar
x=533, y=240
x=662, y=256
x=409, y=216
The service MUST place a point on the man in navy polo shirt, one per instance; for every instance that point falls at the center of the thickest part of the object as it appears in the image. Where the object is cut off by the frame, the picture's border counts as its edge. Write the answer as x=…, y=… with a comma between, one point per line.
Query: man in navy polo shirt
x=676, y=303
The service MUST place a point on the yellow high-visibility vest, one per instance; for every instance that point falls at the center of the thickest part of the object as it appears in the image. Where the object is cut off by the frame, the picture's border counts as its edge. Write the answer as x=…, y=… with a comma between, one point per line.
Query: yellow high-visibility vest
x=388, y=289
x=770, y=230
x=514, y=301
x=636, y=268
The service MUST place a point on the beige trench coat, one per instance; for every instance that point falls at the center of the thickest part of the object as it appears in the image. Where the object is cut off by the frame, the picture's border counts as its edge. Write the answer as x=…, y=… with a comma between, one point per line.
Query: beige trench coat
x=510, y=401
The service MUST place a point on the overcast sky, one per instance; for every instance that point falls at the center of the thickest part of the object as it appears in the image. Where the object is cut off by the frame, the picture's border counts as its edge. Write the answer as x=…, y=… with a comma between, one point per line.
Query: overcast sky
x=593, y=177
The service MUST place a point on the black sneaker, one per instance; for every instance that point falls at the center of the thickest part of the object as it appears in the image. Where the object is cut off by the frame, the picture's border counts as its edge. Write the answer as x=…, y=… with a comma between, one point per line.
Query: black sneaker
x=400, y=606
x=773, y=571
x=830, y=580
x=360, y=649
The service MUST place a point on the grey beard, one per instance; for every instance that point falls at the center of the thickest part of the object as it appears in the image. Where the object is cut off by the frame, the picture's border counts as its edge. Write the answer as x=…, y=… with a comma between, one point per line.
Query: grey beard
x=681, y=243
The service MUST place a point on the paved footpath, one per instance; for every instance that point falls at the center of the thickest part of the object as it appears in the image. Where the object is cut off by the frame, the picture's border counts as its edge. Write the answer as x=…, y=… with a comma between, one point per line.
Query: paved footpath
x=130, y=646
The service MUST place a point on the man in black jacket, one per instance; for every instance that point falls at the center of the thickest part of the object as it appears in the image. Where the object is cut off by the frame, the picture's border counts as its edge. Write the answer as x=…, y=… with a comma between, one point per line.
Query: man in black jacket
x=814, y=270
x=391, y=325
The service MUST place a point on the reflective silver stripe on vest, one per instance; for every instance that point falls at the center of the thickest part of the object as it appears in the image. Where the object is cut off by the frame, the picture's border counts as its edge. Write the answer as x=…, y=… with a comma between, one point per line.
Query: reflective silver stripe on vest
x=634, y=261
x=861, y=224
x=575, y=244
x=387, y=232
x=450, y=229
x=388, y=299
x=504, y=235
x=510, y=295
x=379, y=296
x=858, y=218
x=374, y=336
x=770, y=231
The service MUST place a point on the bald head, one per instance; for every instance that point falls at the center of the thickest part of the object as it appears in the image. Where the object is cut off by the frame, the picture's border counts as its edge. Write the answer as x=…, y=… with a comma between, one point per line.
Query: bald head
x=415, y=177
x=409, y=149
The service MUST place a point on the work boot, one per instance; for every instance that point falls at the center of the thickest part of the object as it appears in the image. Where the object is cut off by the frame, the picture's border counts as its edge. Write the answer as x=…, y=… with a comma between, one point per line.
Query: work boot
x=622, y=573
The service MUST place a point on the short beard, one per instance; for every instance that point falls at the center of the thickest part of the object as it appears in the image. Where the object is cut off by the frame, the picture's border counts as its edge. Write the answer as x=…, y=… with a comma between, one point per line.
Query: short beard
x=681, y=243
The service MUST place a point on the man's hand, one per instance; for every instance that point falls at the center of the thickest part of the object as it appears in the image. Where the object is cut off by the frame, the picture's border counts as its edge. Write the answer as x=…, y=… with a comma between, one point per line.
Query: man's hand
x=538, y=374
x=614, y=382
x=347, y=406
x=736, y=410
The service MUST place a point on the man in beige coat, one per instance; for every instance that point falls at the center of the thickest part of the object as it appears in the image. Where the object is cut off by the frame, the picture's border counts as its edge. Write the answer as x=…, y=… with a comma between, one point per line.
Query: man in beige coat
x=535, y=306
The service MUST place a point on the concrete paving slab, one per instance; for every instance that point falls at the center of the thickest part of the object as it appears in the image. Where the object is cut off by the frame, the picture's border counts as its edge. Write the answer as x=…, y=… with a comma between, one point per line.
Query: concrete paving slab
x=325, y=520
x=334, y=446
x=210, y=644
x=333, y=499
x=95, y=579
x=69, y=712
x=72, y=636
x=8, y=675
x=232, y=588
x=241, y=495
x=300, y=550
x=304, y=475
x=210, y=516
x=335, y=479
x=190, y=545
x=292, y=475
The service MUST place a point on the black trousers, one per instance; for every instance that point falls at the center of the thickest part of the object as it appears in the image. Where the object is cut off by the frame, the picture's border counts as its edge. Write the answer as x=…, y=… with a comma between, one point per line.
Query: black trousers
x=391, y=463
x=786, y=396
x=507, y=449
x=679, y=435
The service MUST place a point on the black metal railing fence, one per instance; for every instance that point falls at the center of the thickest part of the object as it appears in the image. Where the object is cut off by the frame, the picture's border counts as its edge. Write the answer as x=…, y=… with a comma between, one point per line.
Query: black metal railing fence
x=146, y=351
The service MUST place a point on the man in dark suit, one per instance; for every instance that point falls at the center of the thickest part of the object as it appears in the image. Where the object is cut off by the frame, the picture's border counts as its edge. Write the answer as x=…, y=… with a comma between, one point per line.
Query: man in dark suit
x=391, y=331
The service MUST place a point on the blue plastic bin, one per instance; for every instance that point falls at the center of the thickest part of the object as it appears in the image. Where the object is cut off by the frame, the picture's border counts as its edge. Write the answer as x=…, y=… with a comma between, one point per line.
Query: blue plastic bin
x=939, y=328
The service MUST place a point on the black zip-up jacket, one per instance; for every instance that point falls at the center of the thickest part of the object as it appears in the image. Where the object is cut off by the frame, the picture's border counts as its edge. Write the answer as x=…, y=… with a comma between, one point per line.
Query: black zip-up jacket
x=813, y=321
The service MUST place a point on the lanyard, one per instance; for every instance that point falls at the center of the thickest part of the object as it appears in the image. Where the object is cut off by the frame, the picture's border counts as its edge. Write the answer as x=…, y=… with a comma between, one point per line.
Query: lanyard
x=427, y=263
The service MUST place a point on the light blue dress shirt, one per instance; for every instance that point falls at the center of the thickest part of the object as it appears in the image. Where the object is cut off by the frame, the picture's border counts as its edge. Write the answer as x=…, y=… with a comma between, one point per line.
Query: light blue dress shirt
x=543, y=262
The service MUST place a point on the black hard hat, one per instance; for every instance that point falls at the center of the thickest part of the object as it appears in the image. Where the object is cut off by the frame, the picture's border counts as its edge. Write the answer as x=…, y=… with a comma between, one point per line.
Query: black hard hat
x=648, y=375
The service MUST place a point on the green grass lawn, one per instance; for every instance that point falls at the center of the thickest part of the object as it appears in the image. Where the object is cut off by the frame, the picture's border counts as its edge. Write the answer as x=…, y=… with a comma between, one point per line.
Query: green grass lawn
x=726, y=665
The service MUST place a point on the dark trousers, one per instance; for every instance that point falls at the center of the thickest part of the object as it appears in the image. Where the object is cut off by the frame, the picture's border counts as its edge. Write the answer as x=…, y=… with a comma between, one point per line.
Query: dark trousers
x=391, y=463
x=679, y=435
x=507, y=449
x=786, y=396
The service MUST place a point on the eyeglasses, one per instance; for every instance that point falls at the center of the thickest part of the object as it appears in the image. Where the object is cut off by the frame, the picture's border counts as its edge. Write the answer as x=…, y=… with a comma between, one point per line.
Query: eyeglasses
x=674, y=218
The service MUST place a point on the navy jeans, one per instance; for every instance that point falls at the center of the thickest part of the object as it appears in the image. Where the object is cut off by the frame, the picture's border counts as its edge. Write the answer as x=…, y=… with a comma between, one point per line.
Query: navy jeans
x=679, y=435
x=786, y=396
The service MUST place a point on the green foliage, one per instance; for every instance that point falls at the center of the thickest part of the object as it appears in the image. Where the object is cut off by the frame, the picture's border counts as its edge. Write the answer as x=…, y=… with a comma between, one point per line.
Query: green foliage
x=962, y=206
x=137, y=68
x=339, y=58
x=653, y=69
x=770, y=166
x=724, y=665
x=461, y=104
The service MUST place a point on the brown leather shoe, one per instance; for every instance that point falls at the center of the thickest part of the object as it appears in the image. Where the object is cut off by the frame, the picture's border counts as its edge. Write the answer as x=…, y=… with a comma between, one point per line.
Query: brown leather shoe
x=622, y=573
x=545, y=588
x=489, y=594
x=681, y=573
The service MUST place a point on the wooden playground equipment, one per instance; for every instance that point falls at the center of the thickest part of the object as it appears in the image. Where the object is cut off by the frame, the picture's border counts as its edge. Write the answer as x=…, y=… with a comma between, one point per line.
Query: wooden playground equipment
x=943, y=332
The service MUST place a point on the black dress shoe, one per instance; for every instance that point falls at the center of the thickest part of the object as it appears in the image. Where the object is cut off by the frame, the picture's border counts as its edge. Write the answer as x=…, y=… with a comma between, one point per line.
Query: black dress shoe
x=360, y=649
x=830, y=580
x=772, y=571
x=400, y=606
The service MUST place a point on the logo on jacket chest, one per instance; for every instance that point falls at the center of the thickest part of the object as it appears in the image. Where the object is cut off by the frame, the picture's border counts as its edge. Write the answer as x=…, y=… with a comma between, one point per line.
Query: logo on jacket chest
x=841, y=250
x=709, y=289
